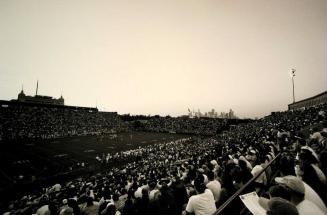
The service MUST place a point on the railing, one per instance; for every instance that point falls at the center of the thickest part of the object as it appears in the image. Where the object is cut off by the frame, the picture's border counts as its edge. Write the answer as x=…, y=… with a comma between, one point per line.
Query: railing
x=237, y=193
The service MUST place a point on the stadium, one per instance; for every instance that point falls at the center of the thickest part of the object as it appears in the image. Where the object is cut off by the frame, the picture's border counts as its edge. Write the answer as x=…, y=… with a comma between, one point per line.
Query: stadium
x=163, y=107
x=52, y=154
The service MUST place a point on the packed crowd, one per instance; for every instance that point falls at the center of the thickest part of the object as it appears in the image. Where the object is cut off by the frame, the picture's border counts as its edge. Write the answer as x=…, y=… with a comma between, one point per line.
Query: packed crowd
x=301, y=137
x=198, y=175
x=185, y=125
x=21, y=122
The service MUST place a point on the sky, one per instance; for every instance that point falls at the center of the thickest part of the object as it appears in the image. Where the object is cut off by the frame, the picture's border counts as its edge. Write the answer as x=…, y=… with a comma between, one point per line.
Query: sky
x=165, y=56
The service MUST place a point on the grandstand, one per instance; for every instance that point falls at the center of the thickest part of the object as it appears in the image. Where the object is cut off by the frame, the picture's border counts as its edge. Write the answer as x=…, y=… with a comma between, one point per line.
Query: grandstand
x=20, y=120
x=179, y=160
x=308, y=102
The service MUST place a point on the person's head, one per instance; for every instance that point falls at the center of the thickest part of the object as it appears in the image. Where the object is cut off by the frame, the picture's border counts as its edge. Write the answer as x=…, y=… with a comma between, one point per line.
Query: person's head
x=72, y=203
x=176, y=178
x=278, y=206
x=164, y=190
x=199, y=185
x=237, y=177
x=115, y=197
x=152, y=184
x=295, y=187
x=279, y=191
x=106, y=193
x=111, y=209
x=123, y=191
x=53, y=207
x=199, y=172
x=242, y=164
x=145, y=193
x=43, y=200
x=130, y=194
x=315, y=129
x=286, y=165
x=210, y=175
x=89, y=201
x=307, y=156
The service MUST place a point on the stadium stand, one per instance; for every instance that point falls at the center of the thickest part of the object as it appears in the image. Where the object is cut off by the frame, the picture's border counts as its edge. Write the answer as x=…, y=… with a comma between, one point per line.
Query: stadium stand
x=309, y=102
x=182, y=125
x=176, y=177
x=21, y=121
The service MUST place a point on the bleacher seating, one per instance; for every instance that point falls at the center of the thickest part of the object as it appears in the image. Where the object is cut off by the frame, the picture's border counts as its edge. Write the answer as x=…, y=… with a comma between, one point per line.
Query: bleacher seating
x=167, y=175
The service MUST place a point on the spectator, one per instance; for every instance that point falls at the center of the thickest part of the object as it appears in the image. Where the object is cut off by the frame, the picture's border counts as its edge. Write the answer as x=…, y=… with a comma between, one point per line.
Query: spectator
x=278, y=206
x=91, y=207
x=203, y=202
x=297, y=193
x=214, y=186
x=142, y=204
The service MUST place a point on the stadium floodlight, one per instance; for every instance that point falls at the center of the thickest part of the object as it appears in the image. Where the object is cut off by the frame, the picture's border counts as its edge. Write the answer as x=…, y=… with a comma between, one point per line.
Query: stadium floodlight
x=293, y=75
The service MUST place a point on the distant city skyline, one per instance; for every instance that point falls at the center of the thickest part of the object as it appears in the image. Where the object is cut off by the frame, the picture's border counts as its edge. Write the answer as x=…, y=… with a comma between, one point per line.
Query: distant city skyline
x=211, y=114
x=162, y=57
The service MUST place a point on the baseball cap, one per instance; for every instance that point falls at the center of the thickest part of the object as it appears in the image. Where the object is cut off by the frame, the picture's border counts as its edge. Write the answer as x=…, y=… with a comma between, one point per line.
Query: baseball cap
x=292, y=182
x=278, y=206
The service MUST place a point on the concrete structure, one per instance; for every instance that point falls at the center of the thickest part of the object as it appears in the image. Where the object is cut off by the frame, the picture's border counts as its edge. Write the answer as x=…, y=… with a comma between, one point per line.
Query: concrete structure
x=308, y=102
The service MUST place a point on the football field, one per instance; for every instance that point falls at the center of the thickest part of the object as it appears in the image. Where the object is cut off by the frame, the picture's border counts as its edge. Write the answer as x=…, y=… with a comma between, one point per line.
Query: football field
x=22, y=163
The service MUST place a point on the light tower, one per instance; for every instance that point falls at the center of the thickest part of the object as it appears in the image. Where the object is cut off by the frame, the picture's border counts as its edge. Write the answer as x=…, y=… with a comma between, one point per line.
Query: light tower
x=37, y=87
x=293, y=75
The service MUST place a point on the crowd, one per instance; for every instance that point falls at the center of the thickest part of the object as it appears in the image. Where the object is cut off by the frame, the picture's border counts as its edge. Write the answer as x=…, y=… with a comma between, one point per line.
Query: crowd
x=197, y=175
x=185, y=125
x=46, y=122
x=21, y=122
x=300, y=137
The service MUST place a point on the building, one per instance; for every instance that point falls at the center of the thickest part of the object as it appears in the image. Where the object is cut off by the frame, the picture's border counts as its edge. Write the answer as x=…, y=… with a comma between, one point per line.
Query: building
x=211, y=114
x=38, y=99
x=308, y=102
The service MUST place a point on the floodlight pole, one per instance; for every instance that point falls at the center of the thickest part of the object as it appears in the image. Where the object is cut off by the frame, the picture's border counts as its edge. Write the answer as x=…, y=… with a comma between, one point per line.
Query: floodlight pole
x=293, y=75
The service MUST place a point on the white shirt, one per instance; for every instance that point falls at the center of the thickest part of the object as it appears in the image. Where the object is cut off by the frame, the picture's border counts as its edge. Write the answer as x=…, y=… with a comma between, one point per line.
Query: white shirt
x=306, y=207
x=205, y=179
x=152, y=194
x=202, y=204
x=312, y=196
x=44, y=210
x=248, y=164
x=56, y=187
x=138, y=192
x=319, y=173
x=215, y=188
x=262, y=179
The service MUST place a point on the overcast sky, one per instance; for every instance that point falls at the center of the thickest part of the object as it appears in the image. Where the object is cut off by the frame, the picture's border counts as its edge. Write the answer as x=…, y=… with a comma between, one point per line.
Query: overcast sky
x=165, y=56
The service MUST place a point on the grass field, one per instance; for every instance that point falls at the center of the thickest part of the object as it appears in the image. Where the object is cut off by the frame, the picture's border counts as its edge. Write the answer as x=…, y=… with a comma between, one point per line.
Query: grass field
x=47, y=158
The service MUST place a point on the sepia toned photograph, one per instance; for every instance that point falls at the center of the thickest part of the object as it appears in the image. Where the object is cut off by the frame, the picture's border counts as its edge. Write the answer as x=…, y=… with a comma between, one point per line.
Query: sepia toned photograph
x=163, y=107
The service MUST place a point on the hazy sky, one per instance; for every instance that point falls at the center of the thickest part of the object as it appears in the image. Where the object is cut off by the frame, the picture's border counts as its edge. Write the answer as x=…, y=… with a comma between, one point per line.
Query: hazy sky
x=164, y=56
